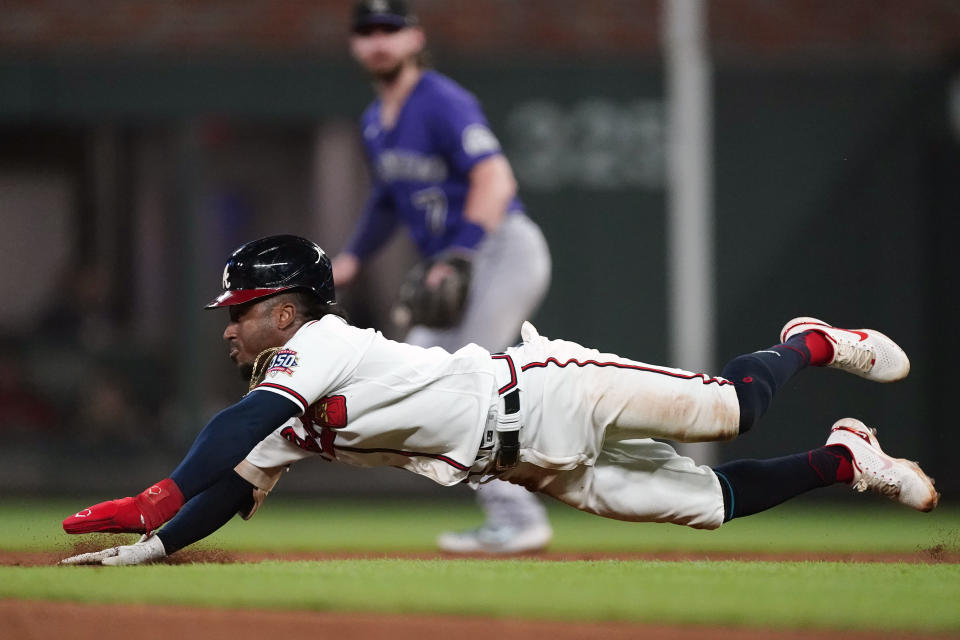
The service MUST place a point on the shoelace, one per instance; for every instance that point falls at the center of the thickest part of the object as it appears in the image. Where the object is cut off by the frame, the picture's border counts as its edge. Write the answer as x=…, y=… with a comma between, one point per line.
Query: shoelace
x=850, y=355
x=889, y=489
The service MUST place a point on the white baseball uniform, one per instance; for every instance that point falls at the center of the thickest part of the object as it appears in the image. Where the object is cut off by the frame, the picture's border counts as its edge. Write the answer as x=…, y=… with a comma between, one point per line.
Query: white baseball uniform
x=588, y=418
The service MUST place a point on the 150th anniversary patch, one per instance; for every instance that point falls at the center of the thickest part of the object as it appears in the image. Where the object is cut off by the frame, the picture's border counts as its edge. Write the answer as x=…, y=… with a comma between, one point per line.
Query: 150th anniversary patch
x=285, y=361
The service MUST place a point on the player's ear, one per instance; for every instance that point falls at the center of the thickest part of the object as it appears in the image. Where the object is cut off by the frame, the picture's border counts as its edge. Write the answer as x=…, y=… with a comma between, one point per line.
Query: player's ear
x=285, y=314
x=418, y=37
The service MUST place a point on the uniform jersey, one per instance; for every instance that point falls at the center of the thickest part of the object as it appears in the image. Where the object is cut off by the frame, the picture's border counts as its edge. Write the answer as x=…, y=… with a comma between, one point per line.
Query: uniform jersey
x=420, y=167
x=369, y=401
x=588, y=418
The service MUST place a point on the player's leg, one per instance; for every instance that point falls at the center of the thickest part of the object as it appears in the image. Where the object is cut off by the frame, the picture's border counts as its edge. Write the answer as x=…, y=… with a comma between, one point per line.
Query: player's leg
x=751, y=486
x=810, y=342
x=635, y=480
x=647, y=481
x=511, y=277
x=852, y=456
x=688, y=407
x=602, y=396
x=515, y=522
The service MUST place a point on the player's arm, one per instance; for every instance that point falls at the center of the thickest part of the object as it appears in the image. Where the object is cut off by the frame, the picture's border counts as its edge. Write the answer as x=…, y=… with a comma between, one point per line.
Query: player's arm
x=471, y=149
x=205, y=513
x=492, y=187
x=208, y=511
x=224, y=442
x=377, y=223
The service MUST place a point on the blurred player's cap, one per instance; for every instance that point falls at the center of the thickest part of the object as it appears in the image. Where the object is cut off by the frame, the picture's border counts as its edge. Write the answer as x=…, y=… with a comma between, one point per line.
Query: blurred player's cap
x=382, y=13
x=273, y=264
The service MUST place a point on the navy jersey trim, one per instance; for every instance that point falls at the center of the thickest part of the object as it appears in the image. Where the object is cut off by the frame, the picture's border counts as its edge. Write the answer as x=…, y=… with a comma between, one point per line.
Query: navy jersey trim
x=273, y=385
x=619, y=365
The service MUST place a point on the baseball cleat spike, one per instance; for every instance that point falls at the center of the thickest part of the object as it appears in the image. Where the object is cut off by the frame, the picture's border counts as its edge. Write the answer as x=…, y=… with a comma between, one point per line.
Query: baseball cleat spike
x=896, y=478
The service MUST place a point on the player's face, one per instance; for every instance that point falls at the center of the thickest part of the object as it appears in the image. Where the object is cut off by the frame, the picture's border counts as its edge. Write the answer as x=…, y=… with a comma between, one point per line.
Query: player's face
x=382, y=50
x=252, y=329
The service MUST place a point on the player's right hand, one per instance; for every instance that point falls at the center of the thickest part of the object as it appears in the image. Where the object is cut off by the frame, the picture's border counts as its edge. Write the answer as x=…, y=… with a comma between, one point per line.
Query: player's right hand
x=147, y=549
x=143, y=513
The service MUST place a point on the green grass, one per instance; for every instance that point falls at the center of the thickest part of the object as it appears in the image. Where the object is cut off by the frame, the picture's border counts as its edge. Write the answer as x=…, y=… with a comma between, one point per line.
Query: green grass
x=320, y=525
x=825, y=595
x=757, y=594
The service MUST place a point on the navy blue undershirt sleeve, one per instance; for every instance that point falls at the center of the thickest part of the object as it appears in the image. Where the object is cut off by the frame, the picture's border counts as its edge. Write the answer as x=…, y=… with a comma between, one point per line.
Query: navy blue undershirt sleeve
x=207, y=512
x=229, y=437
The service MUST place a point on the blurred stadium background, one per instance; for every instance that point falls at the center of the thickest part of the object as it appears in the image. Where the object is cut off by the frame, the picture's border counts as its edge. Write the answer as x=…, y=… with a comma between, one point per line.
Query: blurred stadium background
x=141, y=141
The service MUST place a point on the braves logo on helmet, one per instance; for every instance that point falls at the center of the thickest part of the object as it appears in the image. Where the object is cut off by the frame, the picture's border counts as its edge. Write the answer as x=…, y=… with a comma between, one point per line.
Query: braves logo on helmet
x=273, y=264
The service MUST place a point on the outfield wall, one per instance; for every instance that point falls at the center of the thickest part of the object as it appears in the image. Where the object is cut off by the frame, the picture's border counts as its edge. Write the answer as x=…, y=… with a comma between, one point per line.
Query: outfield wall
x=836, y=194
x=136, y=152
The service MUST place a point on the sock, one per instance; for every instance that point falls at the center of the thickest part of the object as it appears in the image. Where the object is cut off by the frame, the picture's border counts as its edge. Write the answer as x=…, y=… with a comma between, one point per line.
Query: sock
x=820, y=348
x=834, y=461
x=752, y=486
x=757, y=376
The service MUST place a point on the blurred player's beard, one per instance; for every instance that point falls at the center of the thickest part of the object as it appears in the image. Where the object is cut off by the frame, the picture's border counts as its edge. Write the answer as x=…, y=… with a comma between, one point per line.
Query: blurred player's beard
x=246, y=371
x=387, y=76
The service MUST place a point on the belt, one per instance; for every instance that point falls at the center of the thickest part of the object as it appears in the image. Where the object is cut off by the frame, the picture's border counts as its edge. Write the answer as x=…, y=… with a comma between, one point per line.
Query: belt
x=509, y=420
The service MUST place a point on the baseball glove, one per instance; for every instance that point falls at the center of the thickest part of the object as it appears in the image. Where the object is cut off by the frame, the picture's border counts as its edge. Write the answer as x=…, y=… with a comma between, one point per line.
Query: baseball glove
x=440, y=306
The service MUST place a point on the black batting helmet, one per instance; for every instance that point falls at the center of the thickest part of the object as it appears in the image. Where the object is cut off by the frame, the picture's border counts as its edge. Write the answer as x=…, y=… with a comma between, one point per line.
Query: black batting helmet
x=273, y=264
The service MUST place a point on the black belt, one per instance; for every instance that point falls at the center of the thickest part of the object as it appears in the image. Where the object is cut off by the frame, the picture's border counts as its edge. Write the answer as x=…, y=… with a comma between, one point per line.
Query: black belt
x=508, y=420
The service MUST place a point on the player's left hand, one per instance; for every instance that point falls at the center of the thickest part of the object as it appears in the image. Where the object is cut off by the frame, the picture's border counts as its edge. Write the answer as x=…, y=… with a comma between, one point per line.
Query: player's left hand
x=147, y=549
x=435, y=294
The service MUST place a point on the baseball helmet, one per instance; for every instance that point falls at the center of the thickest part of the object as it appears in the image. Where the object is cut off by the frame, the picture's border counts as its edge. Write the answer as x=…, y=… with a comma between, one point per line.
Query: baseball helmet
x=273, y=264
x=391, y=13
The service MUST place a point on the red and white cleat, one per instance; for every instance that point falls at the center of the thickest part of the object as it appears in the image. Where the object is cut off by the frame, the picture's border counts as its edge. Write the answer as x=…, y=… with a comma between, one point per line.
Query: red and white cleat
x=863, y=352
x=896, y=478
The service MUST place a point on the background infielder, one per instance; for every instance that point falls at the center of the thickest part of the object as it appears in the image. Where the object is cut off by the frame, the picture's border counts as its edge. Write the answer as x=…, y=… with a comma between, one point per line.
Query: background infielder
x=551, y=415
x=438, y=170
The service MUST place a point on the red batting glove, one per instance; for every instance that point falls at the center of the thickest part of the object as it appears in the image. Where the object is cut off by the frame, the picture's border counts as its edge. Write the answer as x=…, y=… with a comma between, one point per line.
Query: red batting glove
x=142, y=513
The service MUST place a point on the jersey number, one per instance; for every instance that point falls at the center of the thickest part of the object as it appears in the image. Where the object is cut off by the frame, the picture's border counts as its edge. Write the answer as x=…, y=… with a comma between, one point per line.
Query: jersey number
x=433, y=202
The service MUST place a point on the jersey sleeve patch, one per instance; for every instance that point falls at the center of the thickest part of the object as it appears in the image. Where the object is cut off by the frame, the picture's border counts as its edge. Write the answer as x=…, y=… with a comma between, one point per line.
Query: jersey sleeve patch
x=477, y=139
x=284, y=361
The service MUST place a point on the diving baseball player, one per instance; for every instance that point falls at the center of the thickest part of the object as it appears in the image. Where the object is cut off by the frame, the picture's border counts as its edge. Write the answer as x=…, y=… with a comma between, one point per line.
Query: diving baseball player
x=438, y=170
x=550, y=415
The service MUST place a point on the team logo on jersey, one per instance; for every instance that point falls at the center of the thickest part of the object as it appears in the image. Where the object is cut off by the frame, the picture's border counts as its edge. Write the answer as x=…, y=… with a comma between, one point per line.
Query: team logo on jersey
x=329, y=412
x=285, y=361
x=477, y=139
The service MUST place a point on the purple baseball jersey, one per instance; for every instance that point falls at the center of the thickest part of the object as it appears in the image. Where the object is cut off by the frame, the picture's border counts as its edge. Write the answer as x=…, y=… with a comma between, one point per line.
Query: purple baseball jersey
x=420, y=168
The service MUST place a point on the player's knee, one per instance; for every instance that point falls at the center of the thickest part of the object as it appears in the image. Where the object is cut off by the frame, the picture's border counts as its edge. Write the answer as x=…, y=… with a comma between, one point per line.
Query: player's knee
x=750, y=377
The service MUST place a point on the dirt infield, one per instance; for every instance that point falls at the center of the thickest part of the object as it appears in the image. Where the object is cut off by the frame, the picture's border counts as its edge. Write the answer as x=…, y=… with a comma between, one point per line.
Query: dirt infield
x=22, y=619
x=78, y=621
